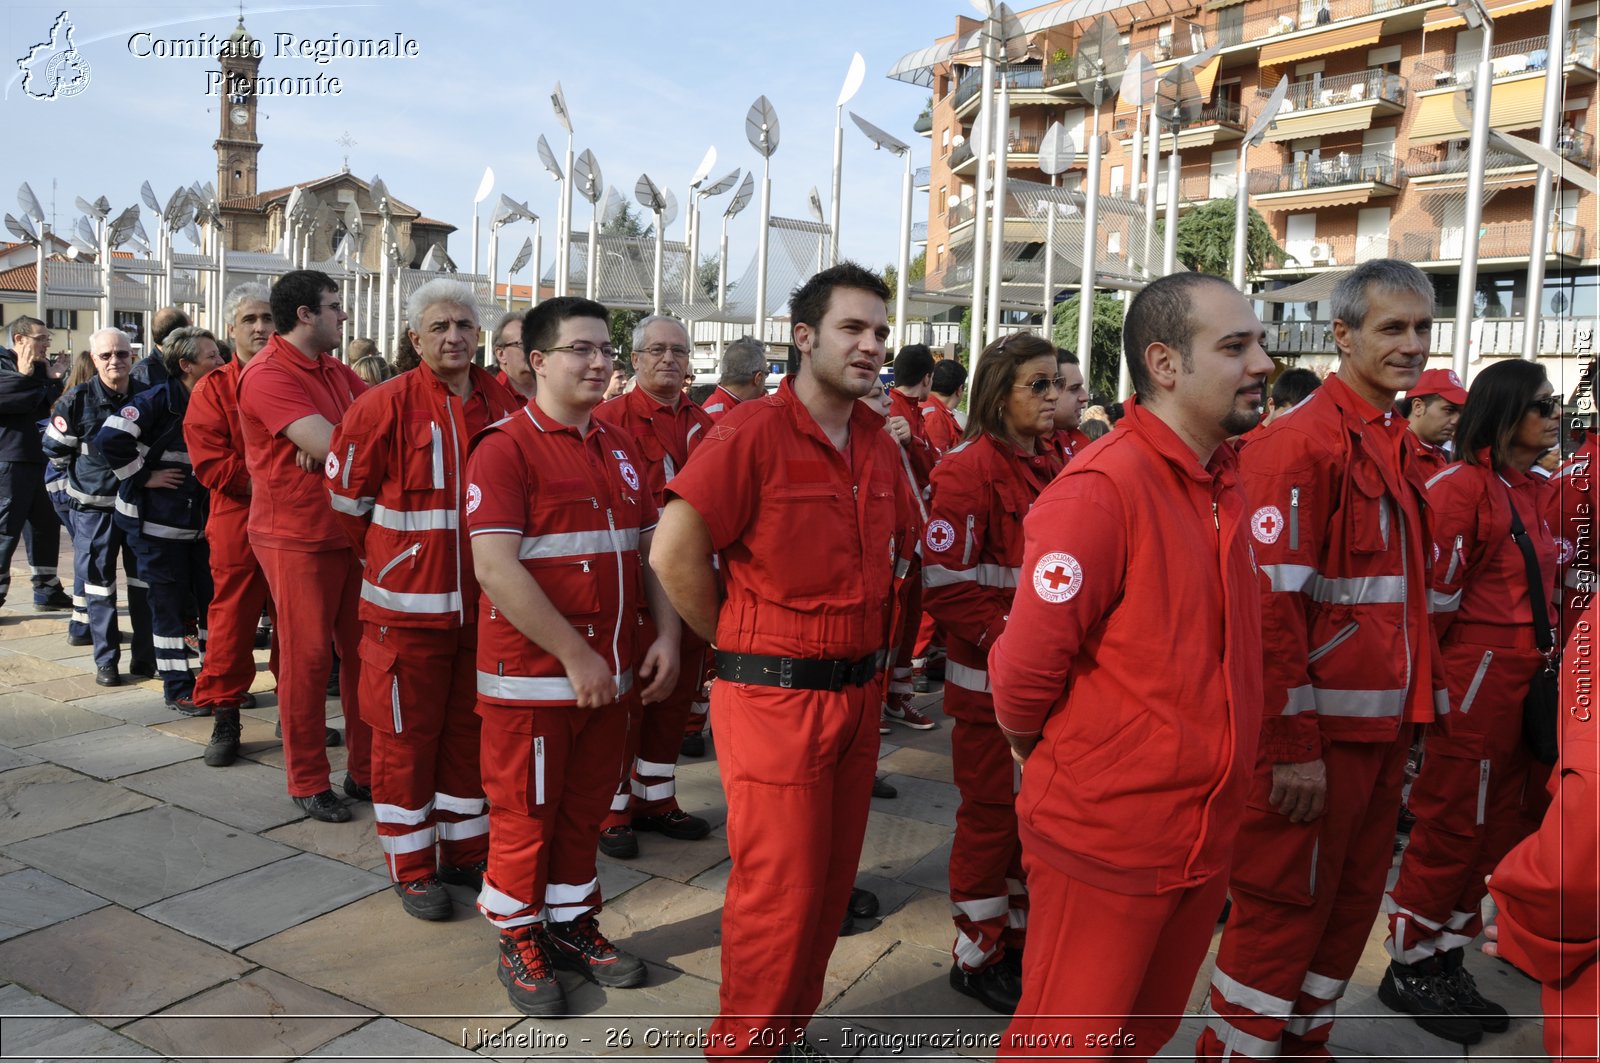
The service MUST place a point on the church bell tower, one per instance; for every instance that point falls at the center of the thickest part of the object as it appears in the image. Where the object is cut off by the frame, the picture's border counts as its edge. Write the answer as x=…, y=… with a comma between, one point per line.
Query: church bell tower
x=237, y=145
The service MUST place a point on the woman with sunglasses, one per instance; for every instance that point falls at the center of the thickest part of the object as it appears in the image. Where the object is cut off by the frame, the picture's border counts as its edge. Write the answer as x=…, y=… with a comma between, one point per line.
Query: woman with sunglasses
x=1469, y=797
x=971, y=550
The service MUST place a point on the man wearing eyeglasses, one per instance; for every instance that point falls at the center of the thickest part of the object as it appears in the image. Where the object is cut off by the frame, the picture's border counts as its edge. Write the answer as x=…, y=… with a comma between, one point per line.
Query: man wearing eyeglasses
x=515, y=372
x=27, y=391
x=291, y=395
x=667, y=425
x=92, y=494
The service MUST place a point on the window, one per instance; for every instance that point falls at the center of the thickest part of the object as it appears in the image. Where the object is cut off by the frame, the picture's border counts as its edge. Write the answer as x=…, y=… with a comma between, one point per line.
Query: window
x=131, y=322
x=1384, y=56
x=1117, y=177
x=62, y=319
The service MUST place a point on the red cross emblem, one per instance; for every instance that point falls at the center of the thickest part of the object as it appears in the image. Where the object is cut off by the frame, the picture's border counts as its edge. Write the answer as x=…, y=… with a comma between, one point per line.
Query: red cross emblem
x=1267, y=524
x=1057, y=577
x=940, y=536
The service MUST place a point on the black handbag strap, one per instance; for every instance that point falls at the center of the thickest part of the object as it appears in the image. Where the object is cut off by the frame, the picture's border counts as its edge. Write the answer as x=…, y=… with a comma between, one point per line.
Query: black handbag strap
x=1539, y=604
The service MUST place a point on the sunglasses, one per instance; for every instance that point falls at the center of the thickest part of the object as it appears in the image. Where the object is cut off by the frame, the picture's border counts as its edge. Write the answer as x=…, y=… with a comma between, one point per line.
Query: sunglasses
x=1547, y=407
x=1044, y=385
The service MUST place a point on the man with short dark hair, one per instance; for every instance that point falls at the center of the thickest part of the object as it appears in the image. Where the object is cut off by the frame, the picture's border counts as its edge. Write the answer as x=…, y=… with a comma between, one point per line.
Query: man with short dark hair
x=152, y=368
x=1069, y=436
x=515, y=375
x=1293, y=386
x=803, y=495
x=913, y=379
x=27, y=391
x=1432, y=410
x=290, y=397
x=1120, y=915
x=743, y=377
x=938, y=410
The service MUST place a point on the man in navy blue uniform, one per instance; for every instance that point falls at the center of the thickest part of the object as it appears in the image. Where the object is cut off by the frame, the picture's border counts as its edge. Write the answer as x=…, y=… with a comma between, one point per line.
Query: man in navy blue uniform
x=27, y=391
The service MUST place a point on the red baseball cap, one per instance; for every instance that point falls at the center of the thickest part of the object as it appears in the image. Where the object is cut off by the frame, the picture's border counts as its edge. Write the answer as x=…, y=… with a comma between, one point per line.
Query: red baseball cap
x=1441, y=382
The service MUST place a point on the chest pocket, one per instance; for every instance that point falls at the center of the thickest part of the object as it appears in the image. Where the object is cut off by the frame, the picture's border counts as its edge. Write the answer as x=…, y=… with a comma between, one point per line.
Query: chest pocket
x=422, y=460
x=1369, y=511
x=810, y=567
x=1005, y=523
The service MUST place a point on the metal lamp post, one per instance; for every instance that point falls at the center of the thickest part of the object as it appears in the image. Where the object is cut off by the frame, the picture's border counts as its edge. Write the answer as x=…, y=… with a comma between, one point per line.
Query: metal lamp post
x=1478, y=18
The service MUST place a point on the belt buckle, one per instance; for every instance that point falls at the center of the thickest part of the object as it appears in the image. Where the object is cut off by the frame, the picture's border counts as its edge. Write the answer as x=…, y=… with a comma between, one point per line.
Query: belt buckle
x=786, y=673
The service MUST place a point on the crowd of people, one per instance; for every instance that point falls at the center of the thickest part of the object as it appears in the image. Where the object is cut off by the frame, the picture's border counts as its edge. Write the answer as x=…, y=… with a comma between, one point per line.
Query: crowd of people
x=1186, y=658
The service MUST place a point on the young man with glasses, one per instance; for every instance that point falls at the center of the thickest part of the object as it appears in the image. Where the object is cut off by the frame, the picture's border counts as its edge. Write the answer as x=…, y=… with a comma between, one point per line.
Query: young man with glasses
x=27, y=391
x=92, y=494
x=291, y=395
x=666, y=425
x=560, y=524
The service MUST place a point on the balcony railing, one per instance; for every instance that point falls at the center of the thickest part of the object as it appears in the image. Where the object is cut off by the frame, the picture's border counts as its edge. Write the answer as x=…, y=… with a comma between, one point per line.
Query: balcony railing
x=1030, y=77
x=919, y=232
x=1061, y=72
x=1309, y=14
x=1495, y=337
x=922, y=178
x=1503, y=240
x=1507, y=60
x=1172, y=39
x=1576, y=147
x=1371, y=86
x=1219, y=112
x=960, y=154
x=1342, y=249
x=1421, y=163
x=1312, y=173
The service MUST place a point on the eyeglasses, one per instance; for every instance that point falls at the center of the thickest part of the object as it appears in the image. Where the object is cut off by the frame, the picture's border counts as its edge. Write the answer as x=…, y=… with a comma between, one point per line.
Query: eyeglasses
x=661, y=350
x=514, y=343
x=115, y=356
x=1044, y=385
x=584, y=350
x=1548, y=407
x=37, y=337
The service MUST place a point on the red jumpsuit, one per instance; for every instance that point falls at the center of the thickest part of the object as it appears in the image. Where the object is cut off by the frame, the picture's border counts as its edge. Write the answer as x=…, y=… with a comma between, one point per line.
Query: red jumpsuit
x=1069, y=443
x=1468, y=798
x=664, y=438
x=971, y=550
x=398, y=492
x=1433, y=460
x=1121, y=914
x=239, y=589
x=1337, y=519
x=314, y=575
x=719, y=403
x=796, y=764
x=1548, y=887
x=942, y=431
x=549, y=767
x=920, y=458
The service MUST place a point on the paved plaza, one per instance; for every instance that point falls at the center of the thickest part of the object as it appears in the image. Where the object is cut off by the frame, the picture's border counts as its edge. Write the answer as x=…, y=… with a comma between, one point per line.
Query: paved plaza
x=153, y=907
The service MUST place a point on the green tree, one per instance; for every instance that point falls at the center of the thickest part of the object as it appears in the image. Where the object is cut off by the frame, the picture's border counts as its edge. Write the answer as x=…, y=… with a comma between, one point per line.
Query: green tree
x=1105, y=342
x=1205, y=240
x=918, y=269
x=627, y=223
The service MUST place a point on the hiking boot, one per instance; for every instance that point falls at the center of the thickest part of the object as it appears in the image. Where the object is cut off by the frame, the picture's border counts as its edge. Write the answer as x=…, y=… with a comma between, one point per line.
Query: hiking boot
x=56, y=600
x=425, y=898
x=883, y=788
x=223, y=749
x=580, y=946
x=106, y=676
x=1421, y=991
x=184, y=705
x=997, y=987
x=354, y=790
x=525, y=971
x=80, y=640
x=675, y=824
x=693, y=746
x=899, y=710
x=324, y=806
x=863, y=903
x=619, y=843
x=142, y=669
x=1464, y=991
x=465, y=874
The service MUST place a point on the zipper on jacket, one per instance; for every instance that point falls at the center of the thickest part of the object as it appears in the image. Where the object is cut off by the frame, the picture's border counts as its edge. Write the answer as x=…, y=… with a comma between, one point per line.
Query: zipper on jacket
x=1455, y=559
x=409, y=552
x=349, y=458
x=1328, y=647
x=538, y=770
x=1216, y=522
x=1483, y=789
x=1294, y=518
x=1311, y=885
x=455, y=504
x=1477, y=681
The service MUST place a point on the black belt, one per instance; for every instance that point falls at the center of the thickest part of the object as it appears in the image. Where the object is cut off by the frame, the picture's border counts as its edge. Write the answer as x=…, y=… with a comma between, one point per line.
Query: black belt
x=796, y=673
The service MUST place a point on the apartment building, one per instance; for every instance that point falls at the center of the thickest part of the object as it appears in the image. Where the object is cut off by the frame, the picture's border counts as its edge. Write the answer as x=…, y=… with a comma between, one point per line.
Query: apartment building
x=1366, y=159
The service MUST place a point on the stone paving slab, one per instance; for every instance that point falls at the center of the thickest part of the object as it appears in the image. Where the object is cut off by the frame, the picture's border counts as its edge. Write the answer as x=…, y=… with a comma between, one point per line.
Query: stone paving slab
x=255, y=735
x=115, y=751
x=27, y=718
x=75, y=687
x=661, y=1019
x=671, y=858
x=36, y=1028
x=354, y=843
x=263, y=1015
x=244, y=795
x=895, y=843
x=272, y=756
x=136, y=705
x=918, y=763
x=259, y=903
x=115, y=966
x=386, y=1039
x=907, y=994
x=51, y=647
x=141, y=858
x=30, y=899
x=932, y=872
x=41, y=798
x=14, y=758
x=22, y=671
x=673, y=925
x=921, y=799
x=15, y=623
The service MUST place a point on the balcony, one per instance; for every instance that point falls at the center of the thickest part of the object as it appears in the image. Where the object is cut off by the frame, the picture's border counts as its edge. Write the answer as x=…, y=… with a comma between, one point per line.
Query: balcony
x=919, y=232
x=1513, y=59
x=1506, y=243
x=1172, y=39
x=1025, y=220
x=924, y=124
x=1311, y=183
x=1212, y=123
x=1576, y=147
x=1021, y=152
x=1332, y=252
x=1502, y=170
x=922, y=178
x=1026, y=85
x=1319, y=105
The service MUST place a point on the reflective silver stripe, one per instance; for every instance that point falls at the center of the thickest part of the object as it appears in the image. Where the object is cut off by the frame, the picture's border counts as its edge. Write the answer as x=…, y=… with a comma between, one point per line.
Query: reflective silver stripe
x=902, y=567
x=655, y=792
x=971, y=954
x=1299, y=699
x=96, y=591
x=172, y=664
x=1337, y=590
x=1483, y=789
x=355, y=507
x=464, y=806
x=98, y=501
x=124, y=471
x=1449, y=470
x=177, y=457
x=400, y=814
x=476, y=827
x=138, y=583
x=122, y=424
x=973, y=679
x=126, y=508
x=1477, y=681
x=164, y=531
x=417, y=520
x=1300, y=1025
x=1237, y=1042
x=1332, y=644
x=407, y=843
x=163, y=642
x=999, y=576
x=981, y=909
x=1368, y=703
x=536, y=688
x=406, y=602
x=1441, y=702
x=568, y=893
x=1322, y=987
x=577, y=544
x=1247, y=997
x=438, y=459
x=1444, y=603
x=654, y=769
x=60, y=437
x=494, y=902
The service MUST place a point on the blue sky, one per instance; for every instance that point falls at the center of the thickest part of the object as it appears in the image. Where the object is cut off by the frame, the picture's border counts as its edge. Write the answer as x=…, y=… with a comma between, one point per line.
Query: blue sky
x=650, y=86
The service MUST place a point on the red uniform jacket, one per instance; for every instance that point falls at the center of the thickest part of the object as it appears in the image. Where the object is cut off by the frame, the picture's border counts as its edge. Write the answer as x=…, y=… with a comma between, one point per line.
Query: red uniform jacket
x=1069, y=443
x=216, y=443
x=664, y=436
x=919, y=452
x=1432, y=459
x=940, y=424
x=1138, y=781
x=972, y=547
x=719, y=403
x=812, y=540
x=1339, y=527
x=397, y=490
x=578, y=504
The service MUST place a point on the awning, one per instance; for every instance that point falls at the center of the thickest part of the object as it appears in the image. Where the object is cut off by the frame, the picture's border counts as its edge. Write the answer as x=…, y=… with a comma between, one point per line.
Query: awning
x=1513, y=105
x=1317, y=289
x=1450, y=16
x=1324, y=43
x=1336, y=198
x=1517, y=104
x=1218, y=5
x=1320, y=123
x=1441, y=117
x=1206, y=76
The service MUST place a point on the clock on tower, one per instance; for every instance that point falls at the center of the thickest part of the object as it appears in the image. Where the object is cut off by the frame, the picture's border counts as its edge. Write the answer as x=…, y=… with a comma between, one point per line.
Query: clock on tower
x=236, y=146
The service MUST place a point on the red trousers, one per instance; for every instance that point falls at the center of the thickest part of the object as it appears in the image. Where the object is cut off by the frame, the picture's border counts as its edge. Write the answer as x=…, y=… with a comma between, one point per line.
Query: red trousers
x=1304, y=899
x=418, y=690
x=648, y=786
x=1108, y=974
x=1469, y=798
x=987, y=887
x=797, y=769
x=317, y=595
x=239, y=589
x=548, y=774
x=700, y=708
x=1571, y=1032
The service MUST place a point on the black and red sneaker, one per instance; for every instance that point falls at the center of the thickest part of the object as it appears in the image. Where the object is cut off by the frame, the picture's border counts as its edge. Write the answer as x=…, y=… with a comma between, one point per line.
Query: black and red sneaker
x=464, y=874
x=579, y=946
x=425, y=898
x=526, y=973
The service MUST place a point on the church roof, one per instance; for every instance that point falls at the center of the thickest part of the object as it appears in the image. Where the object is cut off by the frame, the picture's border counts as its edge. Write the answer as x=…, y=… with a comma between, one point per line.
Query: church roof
x=262, y=200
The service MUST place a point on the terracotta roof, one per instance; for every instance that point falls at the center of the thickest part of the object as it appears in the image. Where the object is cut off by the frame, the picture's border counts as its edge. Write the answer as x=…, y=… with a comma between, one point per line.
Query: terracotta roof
x=435, y=222
x=19, y=279
x=262, y=200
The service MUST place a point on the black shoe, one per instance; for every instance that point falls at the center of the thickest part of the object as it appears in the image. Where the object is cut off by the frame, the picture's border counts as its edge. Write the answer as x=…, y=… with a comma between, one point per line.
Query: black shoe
x=1464, y=991
x=80, y=640
x=675, y=824
x=882, y=787
x=425, y=898
x=142, y=669
x=847, y=925
x=246, y=700
x=863, y=903
x=55, y=601
x=354, y=790
x=1227, y=910
x=223, y=749
x=185, y=706
x=996, y=986
x=693, y=746
x=619, y=843
x=465, y=875
x=526, y=974
x=1420, y=990
x=106, y=676
x=580, y=946
x=1013, y=959
x=333, y=680
x=330, y=738
x=324, y=806
x=263, y=638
